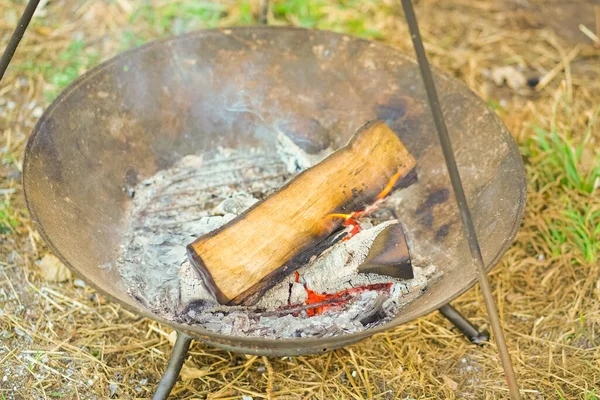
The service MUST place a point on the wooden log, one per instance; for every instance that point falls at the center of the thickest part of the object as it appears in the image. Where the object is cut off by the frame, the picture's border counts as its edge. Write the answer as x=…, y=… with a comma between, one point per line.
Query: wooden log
x=253, y=251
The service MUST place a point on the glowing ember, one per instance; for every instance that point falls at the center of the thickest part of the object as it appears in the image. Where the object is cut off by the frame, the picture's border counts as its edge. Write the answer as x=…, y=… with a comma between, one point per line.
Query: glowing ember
x=351, y=220
x=336, y=299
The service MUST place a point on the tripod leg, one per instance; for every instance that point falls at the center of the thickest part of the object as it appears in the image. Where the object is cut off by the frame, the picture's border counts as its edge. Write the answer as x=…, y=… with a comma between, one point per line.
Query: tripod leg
x=17, y=36
x=463, y=325
x=264, y=11
x=178, y=356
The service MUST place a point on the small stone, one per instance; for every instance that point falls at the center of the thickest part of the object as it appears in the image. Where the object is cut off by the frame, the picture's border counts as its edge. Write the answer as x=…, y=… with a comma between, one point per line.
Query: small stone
x=4, y=378
x=53, y=270
x=79, y=283
x=112, y=388
x=172, y=337
x=246, y=397
x=508, y=75
x=450, y=383
x=37, y=112
x=144, y=381
x=533, y=81
x=90, y=382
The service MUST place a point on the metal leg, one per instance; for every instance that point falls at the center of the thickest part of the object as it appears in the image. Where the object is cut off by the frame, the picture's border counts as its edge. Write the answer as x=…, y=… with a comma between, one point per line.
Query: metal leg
x=461, y=200
x=17, y=36
x=264, y=10
x=463, y=325
x=178, y=356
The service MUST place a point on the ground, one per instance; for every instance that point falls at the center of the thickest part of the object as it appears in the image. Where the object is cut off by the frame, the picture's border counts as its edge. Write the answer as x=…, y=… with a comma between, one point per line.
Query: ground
x=63, y=340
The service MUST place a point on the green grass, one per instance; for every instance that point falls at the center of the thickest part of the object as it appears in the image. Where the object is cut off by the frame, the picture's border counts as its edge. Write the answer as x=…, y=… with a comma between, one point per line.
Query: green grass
x=587, y=395
x=8, y=158
x=130, y=39
x=9, y=220
x=71, y=63
x=497, y=107
x=577, y=226
x=584, y=230
x=591, y=395
x=32, y=364
x=180, y=16
x=561, y=160
x=308, y=13
x=321, y=14
x=558, y=157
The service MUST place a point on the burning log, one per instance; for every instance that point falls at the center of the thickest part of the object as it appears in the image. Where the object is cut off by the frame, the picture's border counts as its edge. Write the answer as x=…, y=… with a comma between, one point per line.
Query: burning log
x=252, y=252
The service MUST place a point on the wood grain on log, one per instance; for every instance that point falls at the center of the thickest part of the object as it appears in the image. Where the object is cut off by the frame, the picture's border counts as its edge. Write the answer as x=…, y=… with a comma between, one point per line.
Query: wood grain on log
x=250, y=253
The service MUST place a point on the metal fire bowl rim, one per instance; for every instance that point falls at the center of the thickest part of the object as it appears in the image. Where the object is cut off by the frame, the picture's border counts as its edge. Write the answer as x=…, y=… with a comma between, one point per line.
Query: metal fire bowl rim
x=252, y=345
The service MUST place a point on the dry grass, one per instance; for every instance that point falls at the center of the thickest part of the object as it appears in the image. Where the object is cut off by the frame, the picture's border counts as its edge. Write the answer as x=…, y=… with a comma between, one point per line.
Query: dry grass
x=65, y=341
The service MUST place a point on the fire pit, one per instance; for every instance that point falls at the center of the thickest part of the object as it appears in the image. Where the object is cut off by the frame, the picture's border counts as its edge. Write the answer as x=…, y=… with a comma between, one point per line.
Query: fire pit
x=199, y=194
x=133, y=157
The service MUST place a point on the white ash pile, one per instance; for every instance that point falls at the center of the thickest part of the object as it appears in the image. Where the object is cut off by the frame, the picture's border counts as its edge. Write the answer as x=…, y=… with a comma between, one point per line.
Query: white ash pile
x=202, y=193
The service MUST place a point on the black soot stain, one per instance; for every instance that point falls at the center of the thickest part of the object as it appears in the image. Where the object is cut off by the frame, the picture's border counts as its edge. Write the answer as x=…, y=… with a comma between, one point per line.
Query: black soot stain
x=425, y=211
x=130, y=181
x=391, y=112
x=356, y=193
x=442, y=232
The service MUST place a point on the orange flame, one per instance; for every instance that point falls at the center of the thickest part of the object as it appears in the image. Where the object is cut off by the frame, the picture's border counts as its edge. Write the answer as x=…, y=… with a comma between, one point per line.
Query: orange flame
x=351, y=219
x=390, y=185
x=344, y=216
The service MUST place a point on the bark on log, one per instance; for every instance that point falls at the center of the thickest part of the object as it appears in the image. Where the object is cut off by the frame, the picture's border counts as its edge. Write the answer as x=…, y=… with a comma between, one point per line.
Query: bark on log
x=250, y=253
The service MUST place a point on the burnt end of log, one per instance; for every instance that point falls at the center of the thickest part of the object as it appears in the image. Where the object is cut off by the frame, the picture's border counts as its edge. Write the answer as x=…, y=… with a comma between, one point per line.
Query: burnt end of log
x=410, y=179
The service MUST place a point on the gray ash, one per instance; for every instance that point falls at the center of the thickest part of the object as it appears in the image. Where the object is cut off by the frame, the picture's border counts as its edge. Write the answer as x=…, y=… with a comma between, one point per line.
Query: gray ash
x=201, y=193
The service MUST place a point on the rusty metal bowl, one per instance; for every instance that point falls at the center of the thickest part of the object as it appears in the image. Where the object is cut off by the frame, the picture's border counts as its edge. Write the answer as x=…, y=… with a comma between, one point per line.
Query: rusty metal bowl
x=145, y=109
